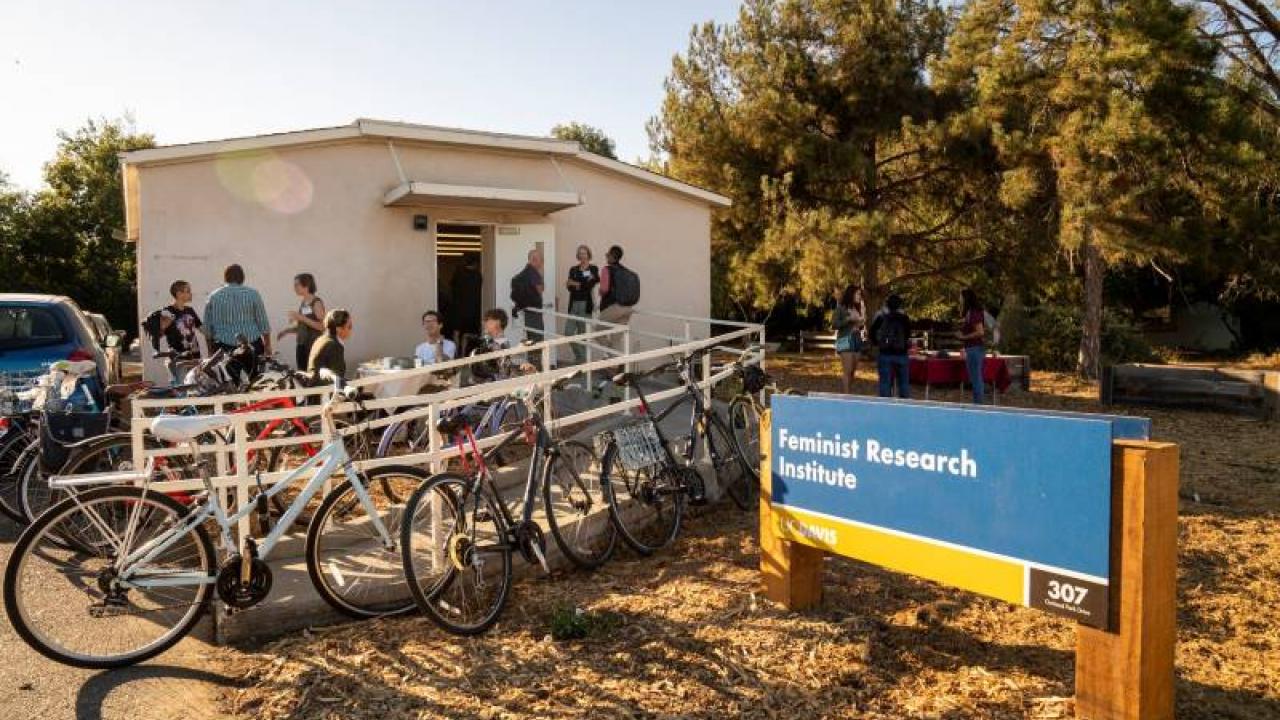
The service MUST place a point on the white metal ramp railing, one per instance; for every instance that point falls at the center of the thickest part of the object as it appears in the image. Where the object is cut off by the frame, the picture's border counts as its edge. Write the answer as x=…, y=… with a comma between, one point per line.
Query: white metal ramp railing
x=232, y=459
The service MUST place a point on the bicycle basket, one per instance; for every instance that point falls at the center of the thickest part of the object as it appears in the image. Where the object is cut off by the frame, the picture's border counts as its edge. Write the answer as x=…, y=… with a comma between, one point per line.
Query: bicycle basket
x=638, y=445
x=754, y=379
x=58, y=430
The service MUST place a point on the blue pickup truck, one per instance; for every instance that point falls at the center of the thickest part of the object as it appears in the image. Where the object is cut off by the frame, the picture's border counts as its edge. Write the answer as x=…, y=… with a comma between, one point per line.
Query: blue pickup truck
x=36, y=330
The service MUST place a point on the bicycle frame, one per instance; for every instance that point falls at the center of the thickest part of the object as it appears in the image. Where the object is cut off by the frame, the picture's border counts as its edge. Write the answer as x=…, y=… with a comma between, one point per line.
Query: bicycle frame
x=325, y=463
x=697, y=415
x=285, y=403
x=485, y=478
x=488, y=426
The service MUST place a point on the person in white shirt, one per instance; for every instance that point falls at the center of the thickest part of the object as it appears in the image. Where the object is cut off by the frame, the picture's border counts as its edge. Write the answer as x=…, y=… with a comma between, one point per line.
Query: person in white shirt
x=437, y=347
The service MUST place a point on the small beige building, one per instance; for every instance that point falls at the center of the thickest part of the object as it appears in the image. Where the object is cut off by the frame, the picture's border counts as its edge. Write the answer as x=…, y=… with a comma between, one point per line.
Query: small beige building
x=383, y=214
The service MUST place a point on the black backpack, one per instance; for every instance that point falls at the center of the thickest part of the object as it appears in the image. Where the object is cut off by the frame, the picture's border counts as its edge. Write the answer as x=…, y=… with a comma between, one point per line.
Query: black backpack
x=625, y=285
x=892, y=337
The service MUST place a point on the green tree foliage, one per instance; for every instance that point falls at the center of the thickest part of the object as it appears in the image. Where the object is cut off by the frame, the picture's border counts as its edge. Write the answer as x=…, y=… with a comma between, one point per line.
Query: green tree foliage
x=1102, y=105
x=844, y=165
x=66, y=238
x=591, y=139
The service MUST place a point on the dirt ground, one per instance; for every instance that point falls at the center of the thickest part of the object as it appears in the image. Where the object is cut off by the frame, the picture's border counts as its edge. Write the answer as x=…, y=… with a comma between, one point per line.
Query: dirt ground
x=687, y=634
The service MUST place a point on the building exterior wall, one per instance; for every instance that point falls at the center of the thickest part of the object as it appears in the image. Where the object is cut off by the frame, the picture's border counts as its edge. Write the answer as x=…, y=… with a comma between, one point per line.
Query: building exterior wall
x=319, y=209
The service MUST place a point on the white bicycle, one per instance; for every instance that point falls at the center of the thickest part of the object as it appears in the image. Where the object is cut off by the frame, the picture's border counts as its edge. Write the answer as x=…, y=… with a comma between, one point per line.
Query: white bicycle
x=115, y=575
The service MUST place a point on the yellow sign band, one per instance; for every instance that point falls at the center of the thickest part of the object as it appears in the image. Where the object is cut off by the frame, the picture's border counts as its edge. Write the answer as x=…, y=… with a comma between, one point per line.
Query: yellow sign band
x=1003, y=579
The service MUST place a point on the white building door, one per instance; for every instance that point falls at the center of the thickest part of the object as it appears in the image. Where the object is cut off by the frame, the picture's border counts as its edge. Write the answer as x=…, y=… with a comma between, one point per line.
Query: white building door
x=511, y=246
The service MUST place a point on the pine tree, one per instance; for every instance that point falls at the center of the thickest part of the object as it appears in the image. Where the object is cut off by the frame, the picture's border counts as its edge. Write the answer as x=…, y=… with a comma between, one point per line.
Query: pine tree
x=1098, y=103
x=817, y=119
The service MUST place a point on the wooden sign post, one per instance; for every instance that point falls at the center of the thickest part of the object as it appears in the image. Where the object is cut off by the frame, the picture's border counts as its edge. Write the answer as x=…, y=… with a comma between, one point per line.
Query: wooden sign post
x=1124, y=672
x=1127, y=671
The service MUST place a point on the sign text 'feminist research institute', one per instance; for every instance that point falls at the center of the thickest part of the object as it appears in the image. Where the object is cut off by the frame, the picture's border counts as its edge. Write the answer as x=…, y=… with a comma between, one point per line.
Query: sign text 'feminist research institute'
x=1011, y=504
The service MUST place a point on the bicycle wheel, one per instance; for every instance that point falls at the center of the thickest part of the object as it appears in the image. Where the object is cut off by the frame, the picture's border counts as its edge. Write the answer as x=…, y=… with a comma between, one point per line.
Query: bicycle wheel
x=456, y=555
x=732, y=472
x=11, y=447
x=34, y=494
x=575, y=506
x=512, y=415
x=67, y=604
x=744, y=424
x=646, y=506
x=353, y=567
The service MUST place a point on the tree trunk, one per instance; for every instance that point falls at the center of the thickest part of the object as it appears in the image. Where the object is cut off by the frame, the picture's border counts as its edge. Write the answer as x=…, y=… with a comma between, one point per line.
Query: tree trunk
x=1089, y=364
x=872, y=295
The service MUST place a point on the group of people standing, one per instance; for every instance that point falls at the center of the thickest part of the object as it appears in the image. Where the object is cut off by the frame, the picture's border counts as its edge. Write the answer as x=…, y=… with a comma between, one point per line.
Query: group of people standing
x=616, y=285
x=235, y=312
x=889, y=331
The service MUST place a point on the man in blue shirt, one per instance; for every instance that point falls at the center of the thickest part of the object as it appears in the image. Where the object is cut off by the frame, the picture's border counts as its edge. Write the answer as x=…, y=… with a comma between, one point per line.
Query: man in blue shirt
x=234, y=309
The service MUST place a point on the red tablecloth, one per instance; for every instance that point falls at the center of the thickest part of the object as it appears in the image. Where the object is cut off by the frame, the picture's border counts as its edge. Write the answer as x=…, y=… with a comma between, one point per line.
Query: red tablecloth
x=952, y=371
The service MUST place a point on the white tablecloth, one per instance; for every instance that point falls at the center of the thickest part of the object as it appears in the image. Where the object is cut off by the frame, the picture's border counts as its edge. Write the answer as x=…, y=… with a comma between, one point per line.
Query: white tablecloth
x=397, y=387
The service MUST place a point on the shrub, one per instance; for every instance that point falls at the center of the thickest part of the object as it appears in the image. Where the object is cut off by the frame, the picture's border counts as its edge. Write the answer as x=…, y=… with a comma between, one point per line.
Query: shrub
x=1050, y=335
x=574, y=623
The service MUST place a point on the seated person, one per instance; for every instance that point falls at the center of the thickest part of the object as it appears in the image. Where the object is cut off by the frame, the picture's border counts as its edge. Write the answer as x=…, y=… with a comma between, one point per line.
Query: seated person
x=329, y=352
x=436, y=348
x=494, y=340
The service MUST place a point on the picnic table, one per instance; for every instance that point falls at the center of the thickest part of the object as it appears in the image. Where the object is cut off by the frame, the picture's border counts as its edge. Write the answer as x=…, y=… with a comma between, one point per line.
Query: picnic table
x=930, y=370
x=398, y=387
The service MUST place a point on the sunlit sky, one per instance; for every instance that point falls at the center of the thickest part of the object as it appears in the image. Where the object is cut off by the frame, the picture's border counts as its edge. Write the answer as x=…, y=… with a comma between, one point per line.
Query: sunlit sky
x=190, y=71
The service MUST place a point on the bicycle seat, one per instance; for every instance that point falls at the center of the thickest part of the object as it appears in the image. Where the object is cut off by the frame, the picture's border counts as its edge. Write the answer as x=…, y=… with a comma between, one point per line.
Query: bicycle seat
x=451, y=426
x=184, y=428
x=624, y=379
x=123, y=390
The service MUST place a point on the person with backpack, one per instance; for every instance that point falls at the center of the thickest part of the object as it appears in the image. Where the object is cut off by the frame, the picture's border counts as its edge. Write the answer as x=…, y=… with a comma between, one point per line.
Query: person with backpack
x=619, y=293
x=176, y=325
x=849, y=320
x=526, y=296
x=891, y=331
x=973, y=331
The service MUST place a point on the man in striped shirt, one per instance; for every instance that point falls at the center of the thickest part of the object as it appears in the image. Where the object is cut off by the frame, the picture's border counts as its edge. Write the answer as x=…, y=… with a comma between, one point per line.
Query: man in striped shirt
x=233, y=310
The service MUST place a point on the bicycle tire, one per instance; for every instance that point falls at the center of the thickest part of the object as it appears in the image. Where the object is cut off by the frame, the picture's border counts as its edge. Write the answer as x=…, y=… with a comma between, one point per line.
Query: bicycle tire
x=513, y=415
x=438, y=566
x=51, y=612
x=569, y=500
x=380, y=571
x=34, y=494
x=732, y=472
x=744, y=425
x=11, y=448
x=646, y=506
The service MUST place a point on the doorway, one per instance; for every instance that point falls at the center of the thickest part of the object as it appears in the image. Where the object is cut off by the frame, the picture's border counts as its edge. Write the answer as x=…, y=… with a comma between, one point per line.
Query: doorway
x=460, y=280
x=511, y=247
x=474, y=266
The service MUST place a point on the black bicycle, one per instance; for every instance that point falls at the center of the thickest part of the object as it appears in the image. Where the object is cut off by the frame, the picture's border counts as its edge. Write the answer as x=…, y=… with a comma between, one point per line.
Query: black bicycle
x=459, y=535
x=647, y=478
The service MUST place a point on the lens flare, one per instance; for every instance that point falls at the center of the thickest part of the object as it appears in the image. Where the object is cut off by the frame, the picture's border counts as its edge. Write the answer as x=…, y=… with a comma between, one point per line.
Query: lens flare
x=268, y=180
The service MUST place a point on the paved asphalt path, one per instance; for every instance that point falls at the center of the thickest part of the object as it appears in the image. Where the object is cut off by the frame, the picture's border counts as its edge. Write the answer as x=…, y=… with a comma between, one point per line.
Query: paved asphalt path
x=174, y=685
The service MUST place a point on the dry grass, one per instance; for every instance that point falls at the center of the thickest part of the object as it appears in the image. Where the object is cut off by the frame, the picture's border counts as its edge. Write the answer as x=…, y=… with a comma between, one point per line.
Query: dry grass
x=686, y=633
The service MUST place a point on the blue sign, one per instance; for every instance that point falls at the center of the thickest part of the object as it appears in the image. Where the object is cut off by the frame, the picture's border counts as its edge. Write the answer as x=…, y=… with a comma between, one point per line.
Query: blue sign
x=1012, y=504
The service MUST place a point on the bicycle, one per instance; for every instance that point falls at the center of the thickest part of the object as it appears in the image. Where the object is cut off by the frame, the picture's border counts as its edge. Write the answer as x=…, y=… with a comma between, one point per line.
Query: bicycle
x=459, y=535
x=139, y=557
x=746, y=407
x=113, y=452
x=646, y=482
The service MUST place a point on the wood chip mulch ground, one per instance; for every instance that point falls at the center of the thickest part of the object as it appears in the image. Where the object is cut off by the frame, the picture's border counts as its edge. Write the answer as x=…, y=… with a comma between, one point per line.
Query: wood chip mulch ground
x=686, y=634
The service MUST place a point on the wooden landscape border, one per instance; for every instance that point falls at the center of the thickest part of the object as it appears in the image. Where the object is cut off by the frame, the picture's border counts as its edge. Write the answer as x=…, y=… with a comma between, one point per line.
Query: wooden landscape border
x=1122, y=673
x=1249, y=392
